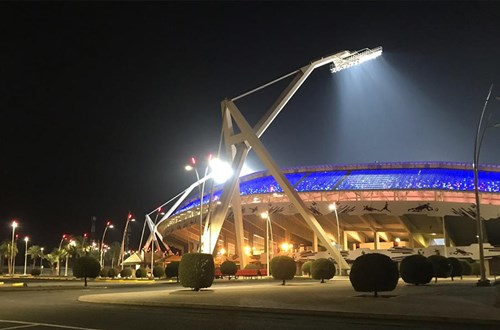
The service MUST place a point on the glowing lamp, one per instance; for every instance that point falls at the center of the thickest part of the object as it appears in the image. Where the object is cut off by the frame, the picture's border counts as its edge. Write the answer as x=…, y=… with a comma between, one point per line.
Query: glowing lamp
x=348, y=59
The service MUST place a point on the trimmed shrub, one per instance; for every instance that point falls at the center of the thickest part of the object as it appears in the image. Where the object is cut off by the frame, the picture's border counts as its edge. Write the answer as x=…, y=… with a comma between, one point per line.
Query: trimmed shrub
x=172, y=270
x=141, y=273
x=228, y=268
x=456, y=268
x=104, y=272
x=158, y=271
x=36, y=272
x=112, y=273
x=306, y=268
x=374, y=272
x=126, y=272
x=197, y=270
x=466, y=267
x=322, y=269
x=86, y=267
x=440, y=267
x=282, y=268
x=416, y=269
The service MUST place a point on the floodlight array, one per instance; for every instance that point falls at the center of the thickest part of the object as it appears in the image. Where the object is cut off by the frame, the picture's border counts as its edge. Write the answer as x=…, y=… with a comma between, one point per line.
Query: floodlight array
x=347, y=59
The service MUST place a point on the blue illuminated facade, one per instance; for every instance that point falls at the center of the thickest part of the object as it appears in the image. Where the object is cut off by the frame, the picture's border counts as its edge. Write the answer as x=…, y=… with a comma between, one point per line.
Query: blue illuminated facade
x=401, y=176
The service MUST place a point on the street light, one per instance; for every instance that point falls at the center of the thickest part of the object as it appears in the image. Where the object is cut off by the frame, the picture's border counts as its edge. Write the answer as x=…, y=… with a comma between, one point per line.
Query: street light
x=333, y=207
x=483, y=281
x=62, y=239
x=201, y=190
x=122, y=248
x=265, y=215
x=12, y=260
x=41, y=259
x=72, y=243
x=26, y=239
x=108, y=225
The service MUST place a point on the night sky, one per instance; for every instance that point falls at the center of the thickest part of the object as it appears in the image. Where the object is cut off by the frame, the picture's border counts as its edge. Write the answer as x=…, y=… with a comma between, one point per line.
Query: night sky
x=102, y=104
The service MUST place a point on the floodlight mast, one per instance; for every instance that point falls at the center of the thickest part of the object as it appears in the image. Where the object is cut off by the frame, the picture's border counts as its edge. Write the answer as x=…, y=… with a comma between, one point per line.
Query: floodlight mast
x=239, y=144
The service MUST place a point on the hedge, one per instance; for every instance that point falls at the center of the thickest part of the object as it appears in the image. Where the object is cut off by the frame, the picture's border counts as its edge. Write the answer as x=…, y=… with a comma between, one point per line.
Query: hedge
x=197, y=270
x=322, y=269
x=374, y=272
x=282, y=268
x=416, y=269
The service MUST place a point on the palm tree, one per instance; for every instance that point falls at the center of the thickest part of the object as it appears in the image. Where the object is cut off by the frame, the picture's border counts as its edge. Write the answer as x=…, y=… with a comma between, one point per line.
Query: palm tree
x=35, y=251
x=114, y=253
x=5, y=253
x=54, y=259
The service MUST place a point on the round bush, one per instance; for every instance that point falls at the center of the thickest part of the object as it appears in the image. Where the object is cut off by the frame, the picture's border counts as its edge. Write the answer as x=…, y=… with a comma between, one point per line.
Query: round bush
x=86, y=267
x=374, y=272
x=158, y=271
x=172, y=270
x=416, y=269
x=36, y=272
x=466, y=267
x=228, y=268
x=104, y=272
x=282, y=268
x=306, y=268
x=141, y=273
x=440, y=267
x=197, y=270
x=456, y=268
x=322, y=269
x=126, y=272
x=112, y=273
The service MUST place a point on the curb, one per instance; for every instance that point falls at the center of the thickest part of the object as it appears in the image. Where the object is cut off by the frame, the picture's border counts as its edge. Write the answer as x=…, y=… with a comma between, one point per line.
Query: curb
x=305, y=312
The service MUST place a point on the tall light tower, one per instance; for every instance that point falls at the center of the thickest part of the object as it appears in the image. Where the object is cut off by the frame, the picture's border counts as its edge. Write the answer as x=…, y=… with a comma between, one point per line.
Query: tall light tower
x=26, y=239
x=12, y=258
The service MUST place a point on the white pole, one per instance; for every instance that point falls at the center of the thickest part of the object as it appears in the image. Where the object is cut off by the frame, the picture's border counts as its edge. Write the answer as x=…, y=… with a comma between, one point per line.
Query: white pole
x=25, y=254
x=12, y=260
x=267, y=245
x=338, y=233
x=66, y=266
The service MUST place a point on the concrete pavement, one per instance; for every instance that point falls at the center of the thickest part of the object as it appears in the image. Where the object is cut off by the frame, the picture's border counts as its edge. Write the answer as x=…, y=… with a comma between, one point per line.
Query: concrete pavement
x=458, y=301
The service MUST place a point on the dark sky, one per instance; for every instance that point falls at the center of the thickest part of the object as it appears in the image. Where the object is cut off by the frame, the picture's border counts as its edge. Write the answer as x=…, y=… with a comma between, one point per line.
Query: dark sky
x=102, y=104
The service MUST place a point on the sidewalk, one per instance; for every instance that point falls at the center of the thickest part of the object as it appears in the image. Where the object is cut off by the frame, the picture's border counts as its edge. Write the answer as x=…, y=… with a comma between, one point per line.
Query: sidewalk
x=459, y=301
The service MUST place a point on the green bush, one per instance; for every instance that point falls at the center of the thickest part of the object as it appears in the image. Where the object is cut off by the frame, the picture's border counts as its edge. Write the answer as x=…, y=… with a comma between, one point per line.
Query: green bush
x=322, y=269
x=36, y=272
x=104, y=272
x=466, y=267
x=172, y=270
x=374, y=272
x=306, y=268
x=86, y=267
x=126, y=272
x=440, y=267
x=112, y=273
x=282, y=268
x=197, y=270
x=416, y=269
x=141, y=273
x=456, y=268
x=228, y=268
x=158, y=271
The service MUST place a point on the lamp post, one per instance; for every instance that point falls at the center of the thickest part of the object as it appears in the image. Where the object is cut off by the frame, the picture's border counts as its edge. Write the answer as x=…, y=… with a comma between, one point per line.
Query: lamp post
x=201, y=190
x=333, y=207
x=41, y=260
x=483, y=281
x=12, y=259
x=26, y=239
x=62, y=240
x=108, y=225
x=71, y=243
x=265, y=215
x=122, y=248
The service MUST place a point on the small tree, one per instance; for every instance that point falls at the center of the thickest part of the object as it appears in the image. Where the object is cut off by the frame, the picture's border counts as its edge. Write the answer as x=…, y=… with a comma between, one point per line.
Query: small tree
x=441, y=267
x=416, y=269
x=112, y=272
x=36, y=272
x=141, y=273
x=172, y=270
x=158, y=271
x=306, y=268
x=282, y=268
x=104, y=272
x=228, y=268
x=86, y=267
x=456, y=268
x=322, y=269
x=197, y=270
x=374, y=272
x=126, y=272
